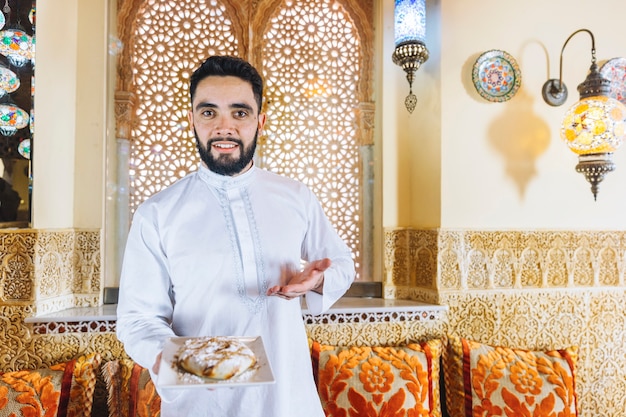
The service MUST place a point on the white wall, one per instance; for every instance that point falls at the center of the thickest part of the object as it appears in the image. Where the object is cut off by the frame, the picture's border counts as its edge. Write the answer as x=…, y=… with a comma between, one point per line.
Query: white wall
x=70, y=101
x=457, y=161
x=411, y=142
x=55, y=118
x=91, y=112
x=502, y=165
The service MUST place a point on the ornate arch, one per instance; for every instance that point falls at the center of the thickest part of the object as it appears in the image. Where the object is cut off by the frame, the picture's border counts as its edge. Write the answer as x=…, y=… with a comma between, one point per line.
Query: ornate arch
x=316, y=137
x=127, y=14
x=256, y=15
x=126, y=17
x=361, y=12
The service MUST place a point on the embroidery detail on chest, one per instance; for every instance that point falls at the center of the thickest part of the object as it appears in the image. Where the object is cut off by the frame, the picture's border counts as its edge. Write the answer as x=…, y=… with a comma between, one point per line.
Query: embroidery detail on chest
x=247, y=254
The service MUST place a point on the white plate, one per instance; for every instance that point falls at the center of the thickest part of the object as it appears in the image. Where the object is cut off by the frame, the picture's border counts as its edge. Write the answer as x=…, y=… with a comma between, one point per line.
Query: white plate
x=171, y=376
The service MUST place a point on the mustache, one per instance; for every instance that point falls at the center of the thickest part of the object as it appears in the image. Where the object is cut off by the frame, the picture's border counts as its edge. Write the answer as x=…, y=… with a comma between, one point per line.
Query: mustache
x=222, y=139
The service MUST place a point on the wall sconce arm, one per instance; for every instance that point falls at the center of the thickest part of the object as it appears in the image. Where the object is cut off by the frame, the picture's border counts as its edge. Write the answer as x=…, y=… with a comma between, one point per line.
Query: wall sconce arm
x=554, y=91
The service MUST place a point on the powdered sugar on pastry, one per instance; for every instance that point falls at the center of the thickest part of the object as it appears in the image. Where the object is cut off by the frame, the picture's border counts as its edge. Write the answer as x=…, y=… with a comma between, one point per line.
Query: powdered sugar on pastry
x=215, y=357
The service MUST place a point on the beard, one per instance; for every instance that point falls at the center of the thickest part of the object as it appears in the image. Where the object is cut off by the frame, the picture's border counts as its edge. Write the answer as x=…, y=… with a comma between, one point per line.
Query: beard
x=226, y=164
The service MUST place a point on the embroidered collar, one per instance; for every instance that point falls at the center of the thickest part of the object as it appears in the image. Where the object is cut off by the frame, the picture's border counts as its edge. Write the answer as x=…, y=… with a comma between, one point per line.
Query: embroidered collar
x=224, y=181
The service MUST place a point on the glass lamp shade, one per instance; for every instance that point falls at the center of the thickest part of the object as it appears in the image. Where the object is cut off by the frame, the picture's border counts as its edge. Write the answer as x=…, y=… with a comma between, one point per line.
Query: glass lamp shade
x=12, y=118
x=9, y=82
x=409, y=21
x=24, y=148
x=594, y=125
x=31, y=122
x=16, y=45
x=32, y=50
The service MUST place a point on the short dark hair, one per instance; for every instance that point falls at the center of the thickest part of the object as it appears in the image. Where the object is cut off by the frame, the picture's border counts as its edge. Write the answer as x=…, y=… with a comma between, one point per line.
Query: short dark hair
x=224, y=65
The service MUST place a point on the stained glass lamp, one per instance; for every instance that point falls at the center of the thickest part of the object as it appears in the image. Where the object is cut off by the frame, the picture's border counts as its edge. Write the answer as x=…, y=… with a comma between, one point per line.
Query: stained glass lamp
x=9, y=81
x=24, y=148
x=12, y=118
x=32, y=49
x=595, y=126
x=17, y=46
x=410, y=40
x=31, y=123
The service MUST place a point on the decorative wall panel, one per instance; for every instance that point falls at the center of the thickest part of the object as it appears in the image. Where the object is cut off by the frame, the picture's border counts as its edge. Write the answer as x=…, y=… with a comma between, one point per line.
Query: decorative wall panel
x=534, y=290
x=17, y=267
x=527, y=289
x=43, y=271
x=376, y=329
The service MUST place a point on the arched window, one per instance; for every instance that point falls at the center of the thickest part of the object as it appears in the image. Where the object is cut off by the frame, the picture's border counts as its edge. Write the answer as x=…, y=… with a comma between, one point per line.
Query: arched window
x=316, y=59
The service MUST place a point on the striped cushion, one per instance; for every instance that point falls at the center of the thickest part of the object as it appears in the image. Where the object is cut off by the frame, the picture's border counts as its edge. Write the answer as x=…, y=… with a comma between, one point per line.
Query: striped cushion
x=61, y=390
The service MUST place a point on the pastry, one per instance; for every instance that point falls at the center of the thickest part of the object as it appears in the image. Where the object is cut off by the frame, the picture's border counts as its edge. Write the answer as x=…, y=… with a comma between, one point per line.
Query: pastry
x=215, y=357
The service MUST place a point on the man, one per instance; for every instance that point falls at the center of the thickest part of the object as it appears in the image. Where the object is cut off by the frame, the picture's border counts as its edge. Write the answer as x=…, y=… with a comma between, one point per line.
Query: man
x=219, y=253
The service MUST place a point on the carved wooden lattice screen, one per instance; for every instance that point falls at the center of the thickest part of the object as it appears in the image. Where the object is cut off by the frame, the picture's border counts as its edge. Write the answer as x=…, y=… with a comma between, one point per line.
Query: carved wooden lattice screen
x=316, y=59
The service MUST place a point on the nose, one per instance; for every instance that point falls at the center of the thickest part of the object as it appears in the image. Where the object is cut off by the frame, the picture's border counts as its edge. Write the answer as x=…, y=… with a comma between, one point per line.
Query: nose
x=225, y=126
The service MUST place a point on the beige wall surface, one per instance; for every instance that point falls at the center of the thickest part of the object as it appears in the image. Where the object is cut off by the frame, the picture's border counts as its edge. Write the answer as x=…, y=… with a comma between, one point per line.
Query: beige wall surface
x=91, y=116
x=497, y=165
x=411, y=142
x=55, y=123
x=70, y=72
x=457, y=161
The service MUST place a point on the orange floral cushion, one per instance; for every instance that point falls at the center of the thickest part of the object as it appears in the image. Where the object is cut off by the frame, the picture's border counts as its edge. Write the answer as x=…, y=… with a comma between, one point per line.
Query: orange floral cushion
x=484, y=380
x=61, y=390
x=131, y=390
x=378, y=381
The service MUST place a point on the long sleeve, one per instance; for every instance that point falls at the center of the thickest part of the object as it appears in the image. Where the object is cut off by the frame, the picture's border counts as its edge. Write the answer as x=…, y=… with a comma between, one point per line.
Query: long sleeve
x=322, y=241
x=145, y=306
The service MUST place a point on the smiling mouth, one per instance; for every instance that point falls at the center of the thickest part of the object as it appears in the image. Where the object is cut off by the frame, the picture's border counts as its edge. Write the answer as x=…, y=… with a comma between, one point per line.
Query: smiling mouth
x=224, y=146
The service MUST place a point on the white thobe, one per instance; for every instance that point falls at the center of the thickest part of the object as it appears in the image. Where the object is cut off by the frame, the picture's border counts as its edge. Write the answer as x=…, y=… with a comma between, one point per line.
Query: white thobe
x=199, y=259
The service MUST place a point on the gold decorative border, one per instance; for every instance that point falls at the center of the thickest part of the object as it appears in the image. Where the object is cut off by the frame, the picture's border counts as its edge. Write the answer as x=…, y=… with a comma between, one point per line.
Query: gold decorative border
x=525, y=289
x=43, y=271
x=410, y=258
x=17, y=269
x=453, y=260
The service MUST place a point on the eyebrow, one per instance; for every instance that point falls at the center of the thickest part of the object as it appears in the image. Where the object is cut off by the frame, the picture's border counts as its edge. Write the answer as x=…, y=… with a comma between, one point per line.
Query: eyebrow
x=204, y=105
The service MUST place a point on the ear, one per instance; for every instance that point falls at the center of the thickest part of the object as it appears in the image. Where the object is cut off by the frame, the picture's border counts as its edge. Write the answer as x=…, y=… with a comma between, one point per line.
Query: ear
x=190, y=118
x=261, y=123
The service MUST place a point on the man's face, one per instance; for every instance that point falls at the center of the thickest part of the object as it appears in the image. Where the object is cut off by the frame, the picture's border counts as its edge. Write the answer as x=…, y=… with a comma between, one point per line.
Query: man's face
x=226, y=124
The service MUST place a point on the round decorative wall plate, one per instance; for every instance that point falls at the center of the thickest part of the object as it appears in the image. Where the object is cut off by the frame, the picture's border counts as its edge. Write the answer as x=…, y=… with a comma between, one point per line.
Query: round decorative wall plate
x=615, y=71
x=496, y=76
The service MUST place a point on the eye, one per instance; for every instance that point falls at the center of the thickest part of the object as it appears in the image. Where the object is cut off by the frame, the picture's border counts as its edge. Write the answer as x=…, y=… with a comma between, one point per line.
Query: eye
x=207, y=113
x=240, y=114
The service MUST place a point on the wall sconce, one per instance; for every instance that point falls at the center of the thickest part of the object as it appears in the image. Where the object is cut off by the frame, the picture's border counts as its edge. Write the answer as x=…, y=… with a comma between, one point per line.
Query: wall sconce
x=410, y=37
x=594, y=127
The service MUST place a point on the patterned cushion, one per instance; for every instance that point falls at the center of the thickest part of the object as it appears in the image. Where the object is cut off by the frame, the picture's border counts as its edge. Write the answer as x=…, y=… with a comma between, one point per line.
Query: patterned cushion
x=131, y=390
x=378, y=381
x=487, y=380
x=61, y=390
